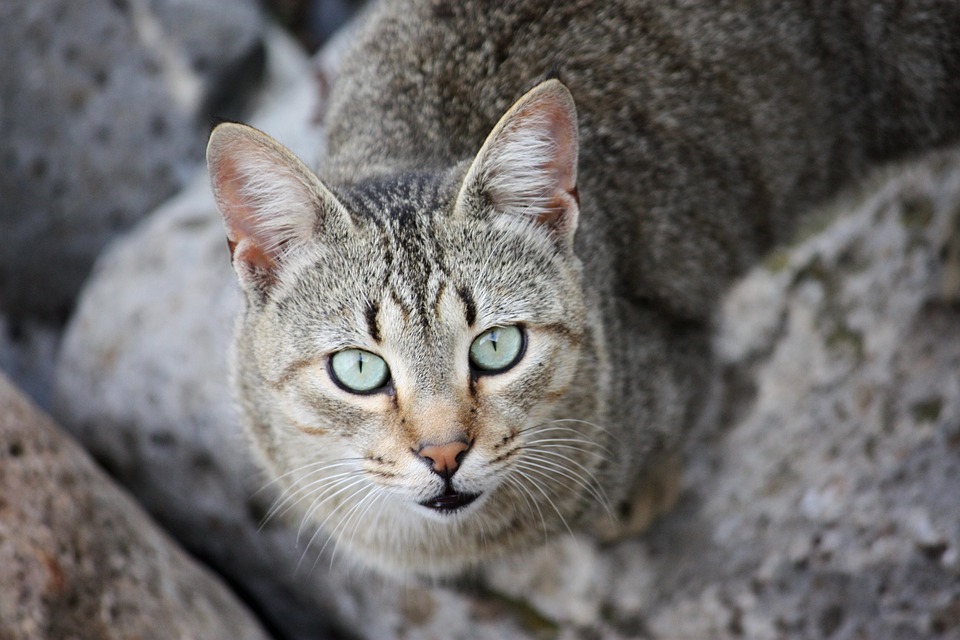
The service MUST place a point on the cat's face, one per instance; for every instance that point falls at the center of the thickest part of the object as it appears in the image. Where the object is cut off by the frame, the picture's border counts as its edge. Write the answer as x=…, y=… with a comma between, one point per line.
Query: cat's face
x=408, y=340
x=414, y=335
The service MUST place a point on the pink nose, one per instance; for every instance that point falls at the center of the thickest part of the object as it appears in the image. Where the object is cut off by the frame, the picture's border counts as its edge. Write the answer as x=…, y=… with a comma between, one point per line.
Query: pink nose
x=444, y=459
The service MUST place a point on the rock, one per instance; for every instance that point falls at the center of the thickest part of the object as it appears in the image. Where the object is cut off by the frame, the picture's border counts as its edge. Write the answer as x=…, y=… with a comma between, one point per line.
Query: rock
x=831, y=510
x=184, y=457
x=820, y=492
x=79, y=558
x=103, y=106
x=28, y=356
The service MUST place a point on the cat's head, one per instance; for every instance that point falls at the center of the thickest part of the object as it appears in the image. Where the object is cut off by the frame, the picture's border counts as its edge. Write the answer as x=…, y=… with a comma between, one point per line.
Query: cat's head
x=407, y=337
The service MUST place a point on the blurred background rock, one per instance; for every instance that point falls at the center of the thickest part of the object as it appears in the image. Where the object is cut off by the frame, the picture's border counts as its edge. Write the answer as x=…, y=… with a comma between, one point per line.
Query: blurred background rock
x=105, y=106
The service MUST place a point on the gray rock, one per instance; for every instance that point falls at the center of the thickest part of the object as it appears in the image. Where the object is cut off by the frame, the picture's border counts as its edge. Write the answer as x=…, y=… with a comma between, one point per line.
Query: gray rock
x=28, y=356
x=820, y=495
x=829, y=510
x=79, y=558
x=183, y=457
x=103, y=107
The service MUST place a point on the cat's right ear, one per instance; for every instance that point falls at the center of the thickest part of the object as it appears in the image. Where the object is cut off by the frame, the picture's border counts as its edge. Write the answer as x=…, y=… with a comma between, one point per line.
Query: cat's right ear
x=271, y=203
x=527, y=167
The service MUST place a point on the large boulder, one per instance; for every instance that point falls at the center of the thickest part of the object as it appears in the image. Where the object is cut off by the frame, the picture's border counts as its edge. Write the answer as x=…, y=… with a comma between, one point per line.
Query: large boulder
x=820, y=493
x=80, y=559
x=184, y=458
x=103, y=106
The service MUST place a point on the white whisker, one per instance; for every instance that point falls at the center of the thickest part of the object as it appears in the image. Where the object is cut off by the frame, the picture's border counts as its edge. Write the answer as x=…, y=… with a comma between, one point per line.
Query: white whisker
x=353, y=515
x=567, y=443
x=536, y=485
x=327, y=464
x=589, y=481
x=321, y=526
x=528, y=497
x=347, y=483
x=377, y=494
x=549, y=474
x=549, y=425
x=286, y=500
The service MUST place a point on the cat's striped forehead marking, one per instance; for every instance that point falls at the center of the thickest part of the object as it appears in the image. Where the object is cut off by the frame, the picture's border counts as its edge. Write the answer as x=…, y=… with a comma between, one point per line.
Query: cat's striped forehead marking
x=469, y=305
x=405, y=209
x=372, y=316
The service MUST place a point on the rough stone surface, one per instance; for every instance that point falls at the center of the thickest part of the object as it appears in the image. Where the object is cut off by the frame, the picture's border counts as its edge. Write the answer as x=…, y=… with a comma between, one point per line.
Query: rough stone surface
x=183, y=457
x=821, y=492
x=80, y=559
x=103, y=106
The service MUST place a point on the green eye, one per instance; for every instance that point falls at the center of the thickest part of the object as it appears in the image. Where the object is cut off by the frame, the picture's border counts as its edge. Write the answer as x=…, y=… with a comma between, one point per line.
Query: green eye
x=358, y=370
x=497, y=349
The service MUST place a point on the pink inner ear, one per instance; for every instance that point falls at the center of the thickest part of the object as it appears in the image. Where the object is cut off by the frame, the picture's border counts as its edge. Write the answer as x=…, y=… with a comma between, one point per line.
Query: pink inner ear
x=561, y=164
x=238, y=217
x=563, y=132
x=527, y=166
x=554, y=214
x=251, y=254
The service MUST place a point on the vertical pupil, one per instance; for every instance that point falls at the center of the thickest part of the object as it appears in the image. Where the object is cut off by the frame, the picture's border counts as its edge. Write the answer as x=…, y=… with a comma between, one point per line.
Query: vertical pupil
x=494, y=336
x=360, y=362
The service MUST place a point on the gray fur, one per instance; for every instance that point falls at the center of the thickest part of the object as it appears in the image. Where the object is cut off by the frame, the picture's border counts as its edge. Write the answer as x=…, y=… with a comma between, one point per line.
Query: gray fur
x=705, y=129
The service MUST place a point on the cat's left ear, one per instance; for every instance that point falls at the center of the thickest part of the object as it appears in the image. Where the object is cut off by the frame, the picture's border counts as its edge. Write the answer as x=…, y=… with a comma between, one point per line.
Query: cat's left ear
x=527, y=166
x=271, y=203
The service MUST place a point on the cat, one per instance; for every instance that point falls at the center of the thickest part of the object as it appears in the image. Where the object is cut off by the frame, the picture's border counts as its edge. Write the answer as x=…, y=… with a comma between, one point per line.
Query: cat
x=488, y=321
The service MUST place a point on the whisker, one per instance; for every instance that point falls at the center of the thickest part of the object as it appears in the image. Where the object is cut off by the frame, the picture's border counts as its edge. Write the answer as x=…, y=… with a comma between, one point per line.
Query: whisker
x=538, y=487
x=550, y=451
x=328, y=464
x=588, y=482
x=375, y=493
x=321, y=499
x=526, y=495
x=297, y=487
x=581, y=436
x=565, y=443
x=548, y=474
x=286, y=500
x=548, y=425
x=320, y=528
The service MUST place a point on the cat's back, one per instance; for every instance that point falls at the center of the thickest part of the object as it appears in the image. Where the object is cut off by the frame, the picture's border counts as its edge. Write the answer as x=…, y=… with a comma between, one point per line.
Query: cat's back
x=704, y=126
x=428, y=79
x=674, y=100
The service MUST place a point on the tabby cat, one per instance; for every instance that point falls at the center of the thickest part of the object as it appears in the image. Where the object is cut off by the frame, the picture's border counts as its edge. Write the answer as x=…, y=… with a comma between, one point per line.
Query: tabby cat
x=487, y=322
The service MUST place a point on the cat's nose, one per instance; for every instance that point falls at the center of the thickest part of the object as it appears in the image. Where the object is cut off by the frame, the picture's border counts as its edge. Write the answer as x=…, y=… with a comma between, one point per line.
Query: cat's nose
x=444, y=459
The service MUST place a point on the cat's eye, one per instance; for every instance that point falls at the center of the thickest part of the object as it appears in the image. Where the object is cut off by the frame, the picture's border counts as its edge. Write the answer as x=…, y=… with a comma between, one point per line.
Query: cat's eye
x=359, y=371
x=497, y=349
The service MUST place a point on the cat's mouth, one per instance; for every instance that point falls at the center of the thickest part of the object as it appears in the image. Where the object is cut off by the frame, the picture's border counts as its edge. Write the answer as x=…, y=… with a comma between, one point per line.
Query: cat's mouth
x=450, y=501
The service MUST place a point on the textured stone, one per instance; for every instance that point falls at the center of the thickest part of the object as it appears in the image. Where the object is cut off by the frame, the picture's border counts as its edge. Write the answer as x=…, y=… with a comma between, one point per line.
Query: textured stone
x=171, y=436
x=79, y=558
x=820, y=496
x=103, y=107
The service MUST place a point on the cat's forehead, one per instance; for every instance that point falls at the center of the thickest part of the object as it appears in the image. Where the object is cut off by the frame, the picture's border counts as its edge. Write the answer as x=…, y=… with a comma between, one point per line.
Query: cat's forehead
x=403, y=219
x=398, y=199
x=410, y=253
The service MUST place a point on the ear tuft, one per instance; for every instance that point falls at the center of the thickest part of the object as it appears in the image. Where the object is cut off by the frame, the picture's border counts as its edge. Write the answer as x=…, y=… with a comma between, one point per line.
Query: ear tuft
x=527, y=166
x=269, y=200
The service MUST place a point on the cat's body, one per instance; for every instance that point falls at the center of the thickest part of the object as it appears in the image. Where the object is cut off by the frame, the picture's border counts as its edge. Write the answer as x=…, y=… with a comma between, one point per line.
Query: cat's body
x=704, y=129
